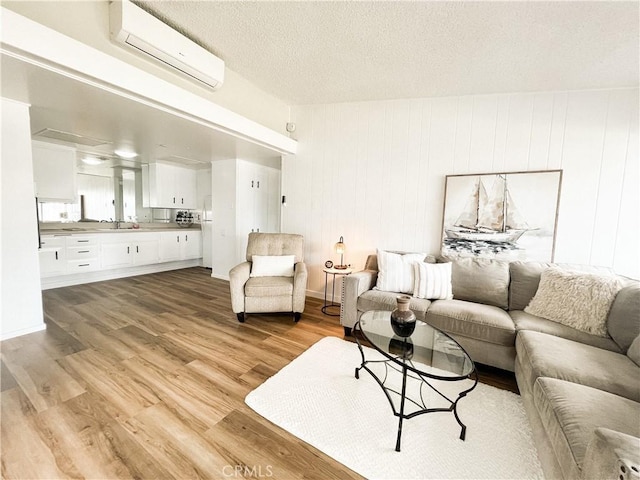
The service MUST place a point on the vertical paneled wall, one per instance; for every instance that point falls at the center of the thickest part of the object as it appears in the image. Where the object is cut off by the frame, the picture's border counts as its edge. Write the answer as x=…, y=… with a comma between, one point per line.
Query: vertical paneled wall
x=374, y=172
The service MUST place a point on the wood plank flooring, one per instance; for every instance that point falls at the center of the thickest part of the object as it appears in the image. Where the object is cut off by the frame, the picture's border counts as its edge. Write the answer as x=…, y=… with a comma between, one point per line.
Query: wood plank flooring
x=145, y=377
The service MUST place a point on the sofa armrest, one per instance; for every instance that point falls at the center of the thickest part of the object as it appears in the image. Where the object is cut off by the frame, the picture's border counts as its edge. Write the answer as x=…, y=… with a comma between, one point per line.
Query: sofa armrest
x=353, y=286
x=299, y=286
x=612, y=455
x=238, y=276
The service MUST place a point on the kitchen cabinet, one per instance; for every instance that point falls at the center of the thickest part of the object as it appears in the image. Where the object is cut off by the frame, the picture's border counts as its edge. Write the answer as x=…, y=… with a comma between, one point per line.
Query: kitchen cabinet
x=178, y=245
x=245, y=198
x=168, y=186
x=253, y=194
x=258, y=190
x=52, y=256
x=54, y=172
x=127, y=249
x=75, y=258
x=82, y=253
x=169, y=246
x=258, y=198
x=147, y=252
x=190, y=245
x=115, y=254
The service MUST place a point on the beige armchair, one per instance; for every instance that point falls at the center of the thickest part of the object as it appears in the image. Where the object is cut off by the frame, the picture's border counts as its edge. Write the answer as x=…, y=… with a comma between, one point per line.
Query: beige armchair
x=266, y=294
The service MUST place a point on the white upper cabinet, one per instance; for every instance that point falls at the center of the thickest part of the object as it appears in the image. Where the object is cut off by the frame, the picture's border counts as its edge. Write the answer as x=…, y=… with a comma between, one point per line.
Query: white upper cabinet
x=168, y=186
x=54, y=172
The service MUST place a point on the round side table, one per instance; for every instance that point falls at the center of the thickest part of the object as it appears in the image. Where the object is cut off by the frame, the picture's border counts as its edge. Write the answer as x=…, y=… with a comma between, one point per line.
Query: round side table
x=332, y=304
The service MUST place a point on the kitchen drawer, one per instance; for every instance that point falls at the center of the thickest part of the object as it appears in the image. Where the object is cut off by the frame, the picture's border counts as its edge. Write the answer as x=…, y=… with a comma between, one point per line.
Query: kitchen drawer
x=77, y=240
x=81, y=252
x=84, y=265
x=52, y=242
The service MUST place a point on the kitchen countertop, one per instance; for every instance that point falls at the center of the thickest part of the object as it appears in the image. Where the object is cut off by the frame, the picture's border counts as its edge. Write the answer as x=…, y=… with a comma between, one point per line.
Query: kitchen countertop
x=88, y=230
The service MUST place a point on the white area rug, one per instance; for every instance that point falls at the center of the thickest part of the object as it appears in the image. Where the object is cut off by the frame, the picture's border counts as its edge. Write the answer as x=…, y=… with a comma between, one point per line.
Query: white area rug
x=317, y=398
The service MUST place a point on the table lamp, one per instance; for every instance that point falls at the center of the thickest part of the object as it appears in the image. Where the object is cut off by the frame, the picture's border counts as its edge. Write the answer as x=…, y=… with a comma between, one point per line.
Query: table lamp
x=340, y=248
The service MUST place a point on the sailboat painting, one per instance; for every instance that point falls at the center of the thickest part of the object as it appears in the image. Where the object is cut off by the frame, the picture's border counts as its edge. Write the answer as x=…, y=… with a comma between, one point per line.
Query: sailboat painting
x=510, y=216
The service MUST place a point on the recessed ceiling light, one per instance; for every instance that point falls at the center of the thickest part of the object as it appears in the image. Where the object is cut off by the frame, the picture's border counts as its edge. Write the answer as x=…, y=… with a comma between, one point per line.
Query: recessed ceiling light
x=125, y=153
x=93, y=161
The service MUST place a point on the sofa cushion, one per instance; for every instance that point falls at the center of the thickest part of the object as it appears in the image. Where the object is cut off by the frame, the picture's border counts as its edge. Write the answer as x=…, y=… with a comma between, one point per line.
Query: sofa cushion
x=576, y=299
x=268, y=286
x=571, y=412
x=378, y=300
x=623, y=323
x=473, y=320
x=480, y=280
x=525, y=278
x=634, y=351
x=542, y=355
x=395, y=272
x=526, y=321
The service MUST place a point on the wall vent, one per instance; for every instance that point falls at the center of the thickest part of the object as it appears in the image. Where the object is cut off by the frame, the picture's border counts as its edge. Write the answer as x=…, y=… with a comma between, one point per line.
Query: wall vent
x=69, y=137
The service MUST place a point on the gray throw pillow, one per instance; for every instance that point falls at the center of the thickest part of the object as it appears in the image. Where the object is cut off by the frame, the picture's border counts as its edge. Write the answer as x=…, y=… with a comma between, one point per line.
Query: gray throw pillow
x=480, y=280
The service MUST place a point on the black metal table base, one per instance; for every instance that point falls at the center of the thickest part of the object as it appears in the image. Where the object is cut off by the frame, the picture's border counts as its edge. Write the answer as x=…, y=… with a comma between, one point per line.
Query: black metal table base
x=326, y=309
x=332, y=304
x=390, y=364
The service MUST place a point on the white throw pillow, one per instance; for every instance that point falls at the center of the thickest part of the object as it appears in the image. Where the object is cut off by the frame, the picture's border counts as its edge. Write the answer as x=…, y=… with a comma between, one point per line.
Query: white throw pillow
x=432, y=281
x=272, y=265
x=576, y=299
x=395, y=271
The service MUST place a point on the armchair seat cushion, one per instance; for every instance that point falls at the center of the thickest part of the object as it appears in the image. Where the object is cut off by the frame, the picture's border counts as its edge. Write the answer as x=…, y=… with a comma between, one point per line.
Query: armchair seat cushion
x=268, y=286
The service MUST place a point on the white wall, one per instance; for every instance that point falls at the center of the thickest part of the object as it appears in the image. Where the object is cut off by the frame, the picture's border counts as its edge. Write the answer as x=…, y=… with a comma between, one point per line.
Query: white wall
x=88, y=22
x=375, y=171
x=20, y=295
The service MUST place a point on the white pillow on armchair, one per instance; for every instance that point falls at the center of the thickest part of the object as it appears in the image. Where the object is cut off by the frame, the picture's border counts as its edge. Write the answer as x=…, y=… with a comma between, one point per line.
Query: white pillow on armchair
x=272, y=265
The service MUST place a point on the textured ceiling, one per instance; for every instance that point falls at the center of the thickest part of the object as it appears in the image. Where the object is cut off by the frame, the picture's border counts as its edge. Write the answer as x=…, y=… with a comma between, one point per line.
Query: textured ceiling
x=326, y=52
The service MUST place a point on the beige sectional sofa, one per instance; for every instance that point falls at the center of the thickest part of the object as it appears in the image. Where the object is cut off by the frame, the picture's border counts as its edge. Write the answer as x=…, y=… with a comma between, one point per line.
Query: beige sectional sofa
x=581, y=391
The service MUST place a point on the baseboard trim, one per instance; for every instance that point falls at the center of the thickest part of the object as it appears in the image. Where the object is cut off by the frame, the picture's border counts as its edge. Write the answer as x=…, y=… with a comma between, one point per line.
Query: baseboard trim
x=219, y=277
x=23, y=331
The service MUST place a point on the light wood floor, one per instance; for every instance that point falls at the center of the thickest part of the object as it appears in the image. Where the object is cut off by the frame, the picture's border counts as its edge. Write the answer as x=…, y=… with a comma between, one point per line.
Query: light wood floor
x=145, y=377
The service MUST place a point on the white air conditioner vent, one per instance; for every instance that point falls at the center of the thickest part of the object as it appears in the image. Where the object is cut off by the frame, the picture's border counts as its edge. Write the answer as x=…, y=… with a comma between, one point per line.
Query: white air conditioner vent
x=132, y=26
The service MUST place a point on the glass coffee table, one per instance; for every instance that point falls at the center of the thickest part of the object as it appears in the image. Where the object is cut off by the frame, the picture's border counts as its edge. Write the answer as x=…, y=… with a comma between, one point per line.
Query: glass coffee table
x=425, y=372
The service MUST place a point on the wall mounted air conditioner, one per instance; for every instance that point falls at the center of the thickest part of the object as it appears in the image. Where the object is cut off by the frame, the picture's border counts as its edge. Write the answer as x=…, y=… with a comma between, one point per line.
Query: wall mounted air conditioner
x=132, y=26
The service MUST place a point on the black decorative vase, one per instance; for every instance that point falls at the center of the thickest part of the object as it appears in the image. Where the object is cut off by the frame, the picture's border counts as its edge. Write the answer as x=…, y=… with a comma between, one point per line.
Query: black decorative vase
x=403, y=320
x=401, y=347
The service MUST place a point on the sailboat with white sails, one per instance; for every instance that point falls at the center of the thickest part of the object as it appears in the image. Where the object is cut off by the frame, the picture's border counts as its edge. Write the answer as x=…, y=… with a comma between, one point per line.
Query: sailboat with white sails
x=489, y=217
